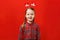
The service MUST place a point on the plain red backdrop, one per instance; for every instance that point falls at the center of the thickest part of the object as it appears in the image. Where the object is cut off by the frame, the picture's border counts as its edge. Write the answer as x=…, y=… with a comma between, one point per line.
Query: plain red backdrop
x=47, y=17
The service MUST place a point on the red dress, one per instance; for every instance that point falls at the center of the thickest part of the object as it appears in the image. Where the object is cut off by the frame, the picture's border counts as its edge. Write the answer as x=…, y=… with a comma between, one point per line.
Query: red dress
x=29, y=32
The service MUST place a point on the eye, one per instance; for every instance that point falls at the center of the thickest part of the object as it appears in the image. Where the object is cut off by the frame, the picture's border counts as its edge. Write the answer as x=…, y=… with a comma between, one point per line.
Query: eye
x=27, y=14
x=31, y=14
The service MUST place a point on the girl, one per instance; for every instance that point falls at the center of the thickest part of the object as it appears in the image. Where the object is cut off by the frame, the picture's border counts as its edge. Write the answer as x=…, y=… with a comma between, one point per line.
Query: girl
x=29, y=29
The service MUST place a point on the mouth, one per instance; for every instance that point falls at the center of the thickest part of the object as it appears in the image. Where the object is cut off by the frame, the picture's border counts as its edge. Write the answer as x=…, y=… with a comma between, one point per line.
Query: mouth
x=30, y=17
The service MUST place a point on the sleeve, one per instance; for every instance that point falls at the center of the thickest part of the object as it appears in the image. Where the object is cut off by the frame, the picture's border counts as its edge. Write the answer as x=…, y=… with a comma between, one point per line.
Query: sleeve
x=38, y=33
x=20, y=35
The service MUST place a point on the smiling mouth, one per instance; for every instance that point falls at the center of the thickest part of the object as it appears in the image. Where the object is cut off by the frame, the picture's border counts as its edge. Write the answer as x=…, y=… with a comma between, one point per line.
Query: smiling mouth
x=30, y=18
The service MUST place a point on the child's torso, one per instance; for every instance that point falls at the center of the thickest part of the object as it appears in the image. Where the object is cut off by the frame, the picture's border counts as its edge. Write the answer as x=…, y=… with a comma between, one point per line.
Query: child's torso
x=30, y=31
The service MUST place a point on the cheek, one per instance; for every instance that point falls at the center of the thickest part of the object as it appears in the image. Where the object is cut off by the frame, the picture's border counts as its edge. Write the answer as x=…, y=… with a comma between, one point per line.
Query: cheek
x=27, y=17
x=33, y=16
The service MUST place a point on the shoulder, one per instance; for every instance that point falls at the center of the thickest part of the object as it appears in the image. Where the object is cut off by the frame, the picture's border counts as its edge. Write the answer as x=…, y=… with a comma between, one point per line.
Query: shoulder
x=36, y=25
x=20, y=27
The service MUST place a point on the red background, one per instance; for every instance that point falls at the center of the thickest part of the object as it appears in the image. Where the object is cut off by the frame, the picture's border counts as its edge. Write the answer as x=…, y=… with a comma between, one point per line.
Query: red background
x=47, y=16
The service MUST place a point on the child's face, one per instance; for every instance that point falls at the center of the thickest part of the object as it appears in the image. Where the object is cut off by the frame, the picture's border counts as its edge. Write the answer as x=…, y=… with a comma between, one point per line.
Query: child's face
x=30, y=14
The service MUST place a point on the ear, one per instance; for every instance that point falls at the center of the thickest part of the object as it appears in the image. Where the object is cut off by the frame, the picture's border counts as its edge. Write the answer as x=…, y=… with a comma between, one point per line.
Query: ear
x=33, y=4
x=26, y=5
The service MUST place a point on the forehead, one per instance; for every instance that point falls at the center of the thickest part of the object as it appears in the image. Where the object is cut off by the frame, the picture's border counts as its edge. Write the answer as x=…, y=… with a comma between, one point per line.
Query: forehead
x=30, y=11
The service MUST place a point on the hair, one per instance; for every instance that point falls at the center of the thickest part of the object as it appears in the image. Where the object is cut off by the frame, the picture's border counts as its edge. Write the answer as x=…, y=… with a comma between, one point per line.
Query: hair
x=23, y=25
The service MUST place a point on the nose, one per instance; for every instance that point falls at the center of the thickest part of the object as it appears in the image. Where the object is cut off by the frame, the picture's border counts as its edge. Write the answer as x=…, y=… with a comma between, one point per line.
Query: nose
x=30, y=15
